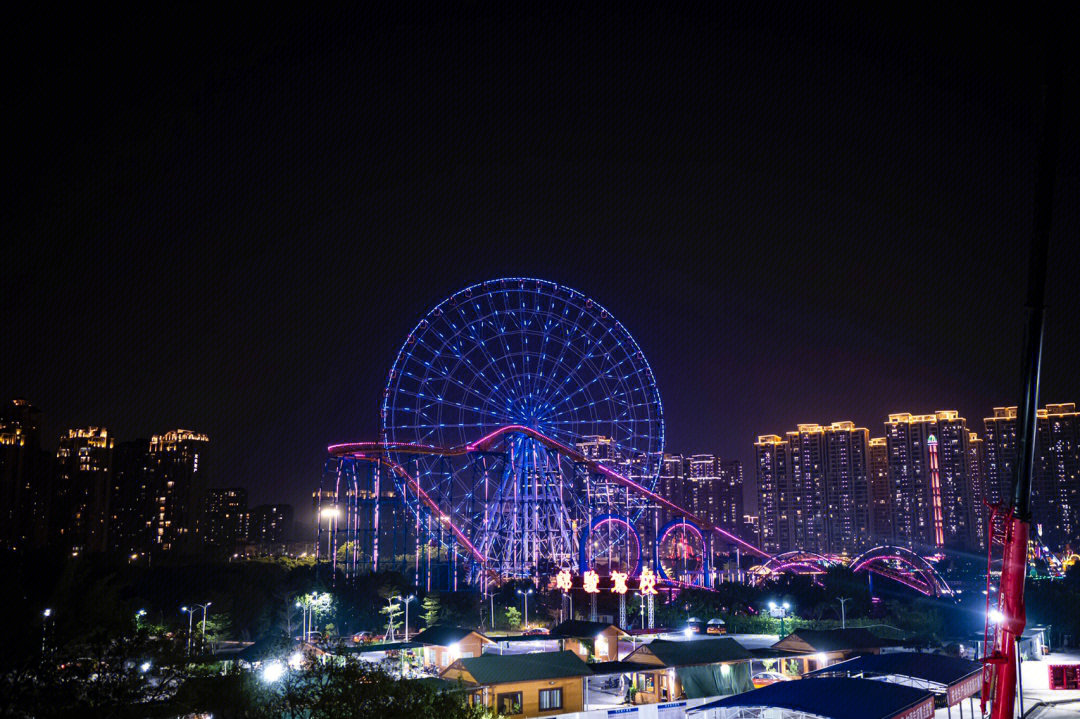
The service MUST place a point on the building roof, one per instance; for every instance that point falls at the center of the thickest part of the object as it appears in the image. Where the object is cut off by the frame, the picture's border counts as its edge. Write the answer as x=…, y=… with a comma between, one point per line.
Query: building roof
x=576, y=628
x=831, y=640
x=365, y=647
x=443, y=635
x=692, y=651
x=602, y=669
x=500, y=669
x=833, y=698
x=936, y=668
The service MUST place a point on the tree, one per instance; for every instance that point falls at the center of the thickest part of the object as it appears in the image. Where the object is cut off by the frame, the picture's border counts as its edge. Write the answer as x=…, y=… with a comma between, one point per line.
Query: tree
x=393, y=612
x=432, y=607
x=513, y=617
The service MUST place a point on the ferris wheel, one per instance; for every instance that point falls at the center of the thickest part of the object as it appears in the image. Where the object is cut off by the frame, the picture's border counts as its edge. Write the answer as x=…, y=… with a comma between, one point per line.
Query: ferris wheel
x=521, y=353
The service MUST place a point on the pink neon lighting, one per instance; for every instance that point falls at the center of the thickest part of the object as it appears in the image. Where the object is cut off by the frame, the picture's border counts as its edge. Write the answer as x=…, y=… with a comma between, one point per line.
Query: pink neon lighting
x=484, y=443
x=935, y=491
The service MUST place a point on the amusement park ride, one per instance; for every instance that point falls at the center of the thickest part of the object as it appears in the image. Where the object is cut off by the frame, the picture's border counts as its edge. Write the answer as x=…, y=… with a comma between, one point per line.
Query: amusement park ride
x=487, y=417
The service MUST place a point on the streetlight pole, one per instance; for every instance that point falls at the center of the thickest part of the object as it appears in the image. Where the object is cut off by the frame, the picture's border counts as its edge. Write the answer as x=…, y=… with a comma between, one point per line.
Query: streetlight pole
x=843, y=613
x=526, y=595
x=44, y=625
x=190, y=612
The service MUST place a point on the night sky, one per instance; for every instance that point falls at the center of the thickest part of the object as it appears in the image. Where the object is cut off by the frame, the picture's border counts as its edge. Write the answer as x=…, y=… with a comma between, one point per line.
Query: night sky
x=230, y=223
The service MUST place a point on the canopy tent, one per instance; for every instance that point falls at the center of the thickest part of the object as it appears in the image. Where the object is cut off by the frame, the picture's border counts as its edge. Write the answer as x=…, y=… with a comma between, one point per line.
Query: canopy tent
x=713, y=680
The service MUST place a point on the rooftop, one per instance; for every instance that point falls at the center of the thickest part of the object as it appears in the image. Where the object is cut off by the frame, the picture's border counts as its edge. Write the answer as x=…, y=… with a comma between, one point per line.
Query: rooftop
x=500, y=669
x=831, y=640
x=936, y=668
x=831, y=698
x=694, y=651
x=443, y=635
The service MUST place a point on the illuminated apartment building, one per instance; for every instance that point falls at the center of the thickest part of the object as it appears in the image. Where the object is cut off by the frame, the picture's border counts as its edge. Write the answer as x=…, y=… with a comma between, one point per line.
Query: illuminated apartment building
x=25, y=477
x=1055, y=488
x=180, y=488
x=132, y=501
x=772, y=461
x=271, y=524
x=226, y=516
x=79, y=518
x=846, y=513
x=929, y=478
x=812, y=489
x=878, y=488
x=977, y=512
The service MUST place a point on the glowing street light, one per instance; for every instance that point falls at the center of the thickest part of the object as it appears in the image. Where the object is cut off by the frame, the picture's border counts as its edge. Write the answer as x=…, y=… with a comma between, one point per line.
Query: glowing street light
x=273, y=671
x=406, y=600
x=526, y=595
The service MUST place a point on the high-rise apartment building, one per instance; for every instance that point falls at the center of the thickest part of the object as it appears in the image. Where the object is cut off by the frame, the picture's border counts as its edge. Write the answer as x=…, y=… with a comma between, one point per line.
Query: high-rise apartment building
x=878, y=487
x=729, y=489
x=847, y=516
x=812, y=489
x=80, y=500
x=270, y=524
x=226, y=516
x=25, y=477
x=1055, y=487
x=929, y=477
x=776, y=496
x=977, y=511
x=180, y=488
x=132, y=504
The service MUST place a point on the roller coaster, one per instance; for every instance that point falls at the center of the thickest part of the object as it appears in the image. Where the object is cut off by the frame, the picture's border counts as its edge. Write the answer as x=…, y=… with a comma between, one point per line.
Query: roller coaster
x=523, y=431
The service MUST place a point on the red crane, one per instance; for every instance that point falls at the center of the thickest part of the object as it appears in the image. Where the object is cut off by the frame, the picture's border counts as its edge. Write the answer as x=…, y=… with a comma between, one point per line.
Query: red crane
x=1009, y=525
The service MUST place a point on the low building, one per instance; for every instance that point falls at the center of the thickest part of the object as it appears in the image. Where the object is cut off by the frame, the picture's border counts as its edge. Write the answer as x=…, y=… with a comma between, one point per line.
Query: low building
x=597, y=639
x=818, y=648
x=443, y=644
x=950, y=678
x=823, y=699
x=524, y=685
x=667, y=670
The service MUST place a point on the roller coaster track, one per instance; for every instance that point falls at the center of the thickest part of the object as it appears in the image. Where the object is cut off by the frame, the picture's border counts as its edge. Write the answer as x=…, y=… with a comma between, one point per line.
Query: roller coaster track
x=380, y=452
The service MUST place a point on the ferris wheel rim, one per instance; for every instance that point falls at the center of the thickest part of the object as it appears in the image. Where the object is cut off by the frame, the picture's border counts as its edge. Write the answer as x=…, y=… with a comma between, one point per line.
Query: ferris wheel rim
x=638, y=426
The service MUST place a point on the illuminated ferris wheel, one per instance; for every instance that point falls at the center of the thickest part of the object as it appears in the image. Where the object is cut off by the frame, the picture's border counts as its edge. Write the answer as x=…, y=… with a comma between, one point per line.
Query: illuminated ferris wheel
x=560, y=372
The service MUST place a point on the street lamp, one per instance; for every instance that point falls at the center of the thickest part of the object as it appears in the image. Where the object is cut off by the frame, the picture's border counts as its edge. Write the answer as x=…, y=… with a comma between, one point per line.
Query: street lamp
x=191, y=612
x=526, y=595
x=843, y=613
x=138, y=618
x=406, y=601
x=44, y=624
x=779, y=611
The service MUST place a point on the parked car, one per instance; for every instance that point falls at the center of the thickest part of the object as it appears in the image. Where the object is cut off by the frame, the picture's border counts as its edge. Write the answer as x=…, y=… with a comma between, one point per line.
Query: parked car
x=764, y=679
x=716, y=626
x=537, y=630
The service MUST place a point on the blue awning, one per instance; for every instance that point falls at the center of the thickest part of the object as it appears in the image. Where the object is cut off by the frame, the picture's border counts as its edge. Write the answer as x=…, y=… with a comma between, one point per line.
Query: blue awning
x=832, y=698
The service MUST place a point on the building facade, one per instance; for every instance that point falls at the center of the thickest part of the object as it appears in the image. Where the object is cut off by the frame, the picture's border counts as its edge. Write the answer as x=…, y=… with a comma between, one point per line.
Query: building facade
x=180, y=488
x=930, y=483
x=80, y=497
x=1055, y=486
x=226, y=516
x=813, y=489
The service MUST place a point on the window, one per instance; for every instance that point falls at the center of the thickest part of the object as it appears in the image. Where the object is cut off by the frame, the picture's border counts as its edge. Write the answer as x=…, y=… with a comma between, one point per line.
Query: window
x=550, y=699
x=508, y=704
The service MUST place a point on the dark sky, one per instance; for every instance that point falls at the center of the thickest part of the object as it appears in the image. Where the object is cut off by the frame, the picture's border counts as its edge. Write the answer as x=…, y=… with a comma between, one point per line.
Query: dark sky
x=230, y=223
